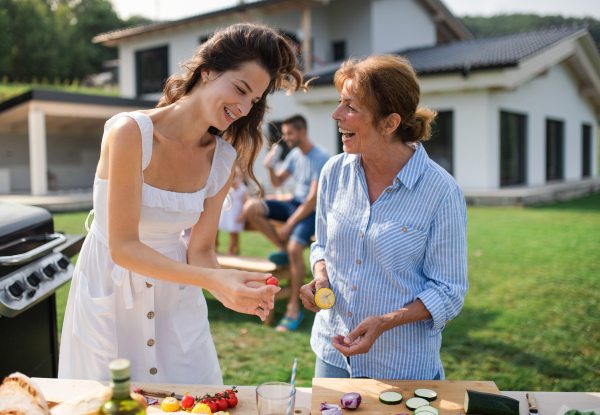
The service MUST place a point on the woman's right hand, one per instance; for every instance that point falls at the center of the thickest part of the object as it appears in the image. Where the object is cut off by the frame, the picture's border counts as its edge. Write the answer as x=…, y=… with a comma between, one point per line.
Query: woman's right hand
x=245, y=292
x=307, y=291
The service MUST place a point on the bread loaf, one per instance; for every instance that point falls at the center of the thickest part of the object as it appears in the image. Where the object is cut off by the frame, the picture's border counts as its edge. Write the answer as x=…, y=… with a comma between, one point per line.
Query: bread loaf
x=86, y=404
x=19, y=395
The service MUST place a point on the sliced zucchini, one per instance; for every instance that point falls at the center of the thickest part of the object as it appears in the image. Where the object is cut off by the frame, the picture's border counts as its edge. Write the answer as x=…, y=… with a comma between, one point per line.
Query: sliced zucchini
x=427, y=394
x=428, y=413
x=489, y=404
x=390, y=398
x=427, y=408
x=414, y=403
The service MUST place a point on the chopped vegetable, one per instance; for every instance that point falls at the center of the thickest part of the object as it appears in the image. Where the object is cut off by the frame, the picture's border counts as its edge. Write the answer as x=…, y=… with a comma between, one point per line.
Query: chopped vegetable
x=427, y=394
x=390, y=398
x=170, y=404
x=427, y=408
x=414, y=403
x=201, y=408
x=328, y=409
x=351, y=400
x=490, y=404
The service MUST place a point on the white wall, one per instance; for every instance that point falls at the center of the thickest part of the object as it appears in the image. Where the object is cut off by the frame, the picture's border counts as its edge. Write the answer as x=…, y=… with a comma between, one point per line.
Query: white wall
x=400, y=24
x=553, y=95
x=350, y=20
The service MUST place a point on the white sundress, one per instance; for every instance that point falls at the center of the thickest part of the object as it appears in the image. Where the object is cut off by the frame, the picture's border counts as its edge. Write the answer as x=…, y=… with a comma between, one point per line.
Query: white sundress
x=161, y=327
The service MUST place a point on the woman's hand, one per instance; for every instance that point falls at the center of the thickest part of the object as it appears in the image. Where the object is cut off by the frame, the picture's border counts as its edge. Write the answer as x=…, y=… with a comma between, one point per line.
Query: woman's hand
x=361, y=339
x=245, y=292
x=307, y=291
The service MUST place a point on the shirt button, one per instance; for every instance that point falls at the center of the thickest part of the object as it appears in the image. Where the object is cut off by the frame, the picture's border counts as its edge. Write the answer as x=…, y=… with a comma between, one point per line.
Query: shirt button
x=349, y=314
x=151, y=315
x=153, y=371
x=389, y=190
x=361, y=235
x=397, y=180
x=358, y=261
x=148, y=285
x=354, y=288
x=404, y=229
x=151, y=342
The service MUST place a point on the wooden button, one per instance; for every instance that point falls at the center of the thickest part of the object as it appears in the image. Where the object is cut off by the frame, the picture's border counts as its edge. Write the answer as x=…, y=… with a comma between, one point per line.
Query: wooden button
x=397, y=180
x=404, y=229
x=148, y=285
x=358, y=261
x=354, y=288
x=151, y=315
x=349, y=314
x=389, y=190
x=361, y=235
x=151, y=342
x=153, y=371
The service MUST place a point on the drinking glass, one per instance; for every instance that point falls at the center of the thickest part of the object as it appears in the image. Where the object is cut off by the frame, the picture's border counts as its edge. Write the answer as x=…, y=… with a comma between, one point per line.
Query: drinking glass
x=273, y=398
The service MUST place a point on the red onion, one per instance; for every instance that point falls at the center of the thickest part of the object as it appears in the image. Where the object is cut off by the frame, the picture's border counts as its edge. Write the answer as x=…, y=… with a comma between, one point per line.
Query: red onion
x=351, y=400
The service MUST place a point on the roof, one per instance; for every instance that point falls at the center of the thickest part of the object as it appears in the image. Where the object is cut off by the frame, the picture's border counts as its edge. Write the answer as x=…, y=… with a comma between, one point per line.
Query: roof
x=449, y=27
x=478, y=54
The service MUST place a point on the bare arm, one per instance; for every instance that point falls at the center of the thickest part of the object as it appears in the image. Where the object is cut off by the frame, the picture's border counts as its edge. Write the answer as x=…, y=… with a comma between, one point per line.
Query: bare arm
x=124, y=209
x=277, y=179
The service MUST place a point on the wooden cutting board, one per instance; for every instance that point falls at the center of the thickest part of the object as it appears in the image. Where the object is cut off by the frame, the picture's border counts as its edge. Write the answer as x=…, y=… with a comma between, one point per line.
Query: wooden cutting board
x=451, y=394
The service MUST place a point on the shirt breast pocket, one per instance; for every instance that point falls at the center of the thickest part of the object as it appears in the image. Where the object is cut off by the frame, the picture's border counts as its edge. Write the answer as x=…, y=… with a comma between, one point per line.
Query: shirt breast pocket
x=398, y=246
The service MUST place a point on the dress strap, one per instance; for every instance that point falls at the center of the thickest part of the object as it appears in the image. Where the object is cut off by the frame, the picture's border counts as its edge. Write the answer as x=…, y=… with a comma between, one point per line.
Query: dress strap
x=146, y=128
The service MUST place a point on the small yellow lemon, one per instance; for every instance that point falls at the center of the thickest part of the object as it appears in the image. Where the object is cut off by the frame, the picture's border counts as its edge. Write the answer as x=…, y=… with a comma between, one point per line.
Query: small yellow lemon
x=324, y=298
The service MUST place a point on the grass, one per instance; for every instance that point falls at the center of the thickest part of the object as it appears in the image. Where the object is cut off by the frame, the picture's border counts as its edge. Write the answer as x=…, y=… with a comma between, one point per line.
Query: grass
x=8, y=91
x=530, y=320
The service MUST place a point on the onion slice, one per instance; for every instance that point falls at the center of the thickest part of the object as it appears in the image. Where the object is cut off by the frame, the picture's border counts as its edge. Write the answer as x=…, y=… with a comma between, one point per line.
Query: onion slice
x=351, y=400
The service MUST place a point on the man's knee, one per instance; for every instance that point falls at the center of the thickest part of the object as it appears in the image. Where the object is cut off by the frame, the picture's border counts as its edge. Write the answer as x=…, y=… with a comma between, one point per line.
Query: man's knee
x=253, y=208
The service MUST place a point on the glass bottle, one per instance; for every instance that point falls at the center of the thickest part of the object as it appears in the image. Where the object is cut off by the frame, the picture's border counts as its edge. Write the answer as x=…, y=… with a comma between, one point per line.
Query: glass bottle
x=121, y=402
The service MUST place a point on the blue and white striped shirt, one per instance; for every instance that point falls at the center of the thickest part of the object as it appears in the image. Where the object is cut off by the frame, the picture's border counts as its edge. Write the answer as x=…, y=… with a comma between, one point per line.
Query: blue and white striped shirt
x=411, y=243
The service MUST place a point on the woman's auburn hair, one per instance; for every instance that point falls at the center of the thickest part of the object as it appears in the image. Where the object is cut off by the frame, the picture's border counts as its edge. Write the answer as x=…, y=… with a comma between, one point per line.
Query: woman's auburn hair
x=387, y=84
x=228, y=49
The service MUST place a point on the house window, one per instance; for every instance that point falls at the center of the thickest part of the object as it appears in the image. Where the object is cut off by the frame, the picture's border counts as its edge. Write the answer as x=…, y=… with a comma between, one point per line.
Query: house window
x=554, y=149
x=513, y=141
x=339, y=50
x=586, y=150
x=152, y=69
x=439, y=146
x=203, y=39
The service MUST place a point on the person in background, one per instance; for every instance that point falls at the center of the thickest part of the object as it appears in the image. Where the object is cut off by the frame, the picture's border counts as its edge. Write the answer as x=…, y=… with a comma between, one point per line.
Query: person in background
x=304, y=163
x=232, y=220
x=391, y=233
x=137, y=288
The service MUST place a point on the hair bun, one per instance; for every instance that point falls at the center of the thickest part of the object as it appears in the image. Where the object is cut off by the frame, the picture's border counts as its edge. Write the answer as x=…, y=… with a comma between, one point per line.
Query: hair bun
x=417, y=126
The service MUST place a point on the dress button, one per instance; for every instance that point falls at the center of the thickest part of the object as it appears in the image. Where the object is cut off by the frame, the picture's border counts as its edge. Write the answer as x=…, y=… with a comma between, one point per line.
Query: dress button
x=358, y=261
x=153, y=371
x=151, y=315
x=354, y=288
x=349, y=314
x=389, y=190
x=361, y=235
x=151, y=342
x=404, y=229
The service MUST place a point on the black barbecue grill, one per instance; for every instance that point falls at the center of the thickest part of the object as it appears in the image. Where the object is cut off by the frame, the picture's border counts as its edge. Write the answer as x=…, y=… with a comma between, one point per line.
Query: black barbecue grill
x=34, y=263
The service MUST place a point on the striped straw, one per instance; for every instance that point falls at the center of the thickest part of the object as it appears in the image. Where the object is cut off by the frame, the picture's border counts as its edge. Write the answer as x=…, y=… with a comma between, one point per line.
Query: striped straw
x=289, y=408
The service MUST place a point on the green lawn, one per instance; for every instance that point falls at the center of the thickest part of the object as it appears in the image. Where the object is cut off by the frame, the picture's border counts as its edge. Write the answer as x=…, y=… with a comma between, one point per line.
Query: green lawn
x=531, y=320
x=8, y=91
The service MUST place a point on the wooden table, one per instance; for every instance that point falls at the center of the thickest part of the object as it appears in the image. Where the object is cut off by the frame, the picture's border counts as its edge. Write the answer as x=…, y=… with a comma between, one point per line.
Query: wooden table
x=61, y=390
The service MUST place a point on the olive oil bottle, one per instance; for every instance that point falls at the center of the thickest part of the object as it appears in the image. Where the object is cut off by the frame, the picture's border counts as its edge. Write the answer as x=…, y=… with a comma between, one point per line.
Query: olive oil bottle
x=121, y=402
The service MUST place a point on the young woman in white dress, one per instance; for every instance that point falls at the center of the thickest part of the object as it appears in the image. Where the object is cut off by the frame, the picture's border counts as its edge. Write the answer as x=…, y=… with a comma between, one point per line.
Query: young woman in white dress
x=137, y=288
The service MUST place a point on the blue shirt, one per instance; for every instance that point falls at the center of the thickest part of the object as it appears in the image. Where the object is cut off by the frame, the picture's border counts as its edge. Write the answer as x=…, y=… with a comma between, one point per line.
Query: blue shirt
x=411, y=243
x=305, y=168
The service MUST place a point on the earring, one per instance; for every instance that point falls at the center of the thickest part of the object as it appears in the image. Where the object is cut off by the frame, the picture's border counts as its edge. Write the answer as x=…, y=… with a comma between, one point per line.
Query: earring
x=205, y=80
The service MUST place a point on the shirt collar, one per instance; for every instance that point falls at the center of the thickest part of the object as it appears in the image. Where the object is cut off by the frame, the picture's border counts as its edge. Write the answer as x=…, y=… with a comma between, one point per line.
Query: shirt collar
x=411, y=172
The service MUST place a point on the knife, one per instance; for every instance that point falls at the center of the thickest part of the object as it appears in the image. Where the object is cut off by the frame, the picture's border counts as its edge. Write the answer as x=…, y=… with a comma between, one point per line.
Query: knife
x=533, y=409
x=160, y=394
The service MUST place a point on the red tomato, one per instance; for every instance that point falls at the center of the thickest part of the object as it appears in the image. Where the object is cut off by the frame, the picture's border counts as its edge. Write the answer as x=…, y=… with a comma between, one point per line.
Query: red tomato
x=232, y=400
x=187, y=401
x=272, y=281
x=221, y=404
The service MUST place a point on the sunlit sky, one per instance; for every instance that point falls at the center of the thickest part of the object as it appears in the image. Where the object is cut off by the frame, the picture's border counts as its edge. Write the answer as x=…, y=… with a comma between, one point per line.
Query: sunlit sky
x=178, y=9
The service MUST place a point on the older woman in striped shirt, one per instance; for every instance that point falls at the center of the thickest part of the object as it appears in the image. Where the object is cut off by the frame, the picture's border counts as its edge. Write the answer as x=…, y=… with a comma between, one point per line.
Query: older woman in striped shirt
x=391, y=233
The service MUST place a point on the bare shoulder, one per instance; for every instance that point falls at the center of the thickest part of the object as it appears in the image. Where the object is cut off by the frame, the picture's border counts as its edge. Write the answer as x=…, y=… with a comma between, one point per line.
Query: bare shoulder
x=125, y=134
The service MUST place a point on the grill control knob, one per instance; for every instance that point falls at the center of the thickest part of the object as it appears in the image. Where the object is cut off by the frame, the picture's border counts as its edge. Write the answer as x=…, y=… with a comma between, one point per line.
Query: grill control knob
x=63, y=263
x=49, y=271
x=31, y=293
x=33, y=281
x=16, y=290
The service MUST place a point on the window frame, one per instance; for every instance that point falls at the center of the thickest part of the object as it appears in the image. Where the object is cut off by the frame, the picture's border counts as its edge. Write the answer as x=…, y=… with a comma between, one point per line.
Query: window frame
x=139, y=81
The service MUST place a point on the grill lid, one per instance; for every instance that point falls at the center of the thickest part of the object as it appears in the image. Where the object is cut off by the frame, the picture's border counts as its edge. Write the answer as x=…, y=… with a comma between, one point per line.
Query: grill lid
x=15, y=218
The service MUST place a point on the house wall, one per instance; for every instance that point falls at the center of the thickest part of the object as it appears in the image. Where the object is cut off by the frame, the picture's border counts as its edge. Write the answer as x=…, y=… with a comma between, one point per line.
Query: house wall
x=552, y=95
x=400, y=24
x=72, y=161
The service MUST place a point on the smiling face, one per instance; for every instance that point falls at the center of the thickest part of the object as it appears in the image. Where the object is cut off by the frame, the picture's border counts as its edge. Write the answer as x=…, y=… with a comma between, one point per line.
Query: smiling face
x=355, y=122
x=230, y=95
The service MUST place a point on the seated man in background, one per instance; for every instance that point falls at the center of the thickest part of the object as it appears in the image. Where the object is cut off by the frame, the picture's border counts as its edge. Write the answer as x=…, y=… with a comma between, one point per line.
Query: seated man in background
x=304, y=162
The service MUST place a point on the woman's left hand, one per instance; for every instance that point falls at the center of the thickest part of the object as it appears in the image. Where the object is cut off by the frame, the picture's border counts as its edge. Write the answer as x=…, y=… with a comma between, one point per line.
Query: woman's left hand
x=361, y=339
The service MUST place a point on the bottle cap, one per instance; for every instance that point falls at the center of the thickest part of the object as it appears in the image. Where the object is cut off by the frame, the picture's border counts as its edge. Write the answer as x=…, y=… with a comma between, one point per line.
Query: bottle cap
x=119, y=369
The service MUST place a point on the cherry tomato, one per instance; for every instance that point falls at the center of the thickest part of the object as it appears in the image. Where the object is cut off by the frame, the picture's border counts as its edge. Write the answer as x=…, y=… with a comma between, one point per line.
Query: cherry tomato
x=272, y=281
x=211, y=404
x=222, y=404
x=232, y=400
x=187, y=401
